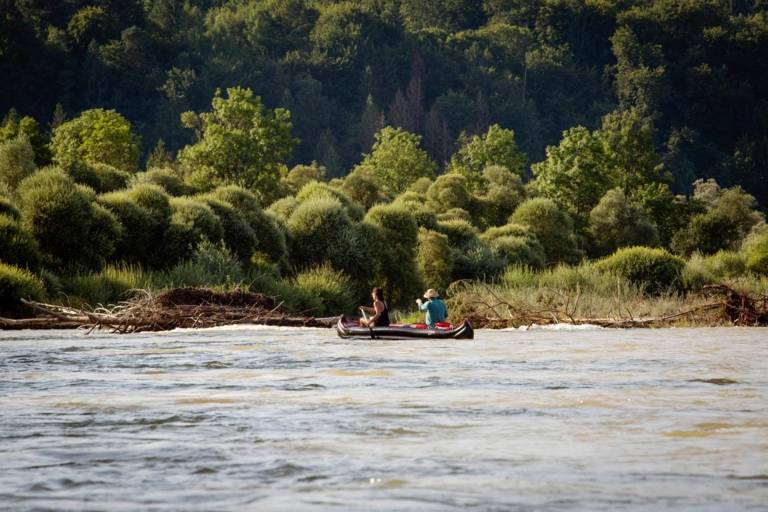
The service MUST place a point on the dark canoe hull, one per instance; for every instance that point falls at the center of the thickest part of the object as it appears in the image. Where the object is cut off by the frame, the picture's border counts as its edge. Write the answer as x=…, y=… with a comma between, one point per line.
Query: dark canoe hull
x=346, y=329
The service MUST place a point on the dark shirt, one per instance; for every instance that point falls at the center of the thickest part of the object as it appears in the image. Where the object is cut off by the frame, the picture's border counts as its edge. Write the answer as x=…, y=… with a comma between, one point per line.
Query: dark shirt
x=383, y=320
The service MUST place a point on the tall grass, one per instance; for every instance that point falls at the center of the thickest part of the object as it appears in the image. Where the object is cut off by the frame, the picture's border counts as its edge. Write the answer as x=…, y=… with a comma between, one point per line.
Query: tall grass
x=111, y=285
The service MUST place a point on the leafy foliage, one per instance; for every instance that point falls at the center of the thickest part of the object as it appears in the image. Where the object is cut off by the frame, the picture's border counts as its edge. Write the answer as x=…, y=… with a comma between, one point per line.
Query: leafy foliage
x=71, y=229
x=655, y=269
x=96, y=136
x=15, y=284
x=397, y=160
x=552, y=227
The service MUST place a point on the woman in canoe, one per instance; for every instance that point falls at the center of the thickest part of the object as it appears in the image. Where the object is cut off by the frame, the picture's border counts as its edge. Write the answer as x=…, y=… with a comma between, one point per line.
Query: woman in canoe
x=379, y=311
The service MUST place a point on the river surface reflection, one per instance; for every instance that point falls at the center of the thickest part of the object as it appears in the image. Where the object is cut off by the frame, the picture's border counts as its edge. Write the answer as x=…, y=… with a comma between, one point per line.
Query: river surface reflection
x=292, y=419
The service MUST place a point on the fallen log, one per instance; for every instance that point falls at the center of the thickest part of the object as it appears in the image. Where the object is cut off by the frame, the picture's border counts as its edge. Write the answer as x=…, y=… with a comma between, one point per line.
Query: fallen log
x=13, y=324
x=178, y=308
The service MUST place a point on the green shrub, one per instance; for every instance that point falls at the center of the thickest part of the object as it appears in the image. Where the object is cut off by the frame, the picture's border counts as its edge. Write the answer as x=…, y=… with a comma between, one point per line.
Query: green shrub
x=53, y=284
x=210, y=265
x=449, y=191
x=270, y=238
x=8, y=209
x=460, y=232
x=237, y=233
x=18, y=247
x=584, y=277
x=332, y=287
x=191, y=221
x=504, y=192
x=71, y=230
x=360, y=185
x=295, y=300
x=516, y=230
x=399, y=275
x=757, y=255
x=153, y=199
x=319, y=230
x=435, y=258
x=156, y=202
x=108, y=286
x=409, y=196
x=726, y=264
x=300, y=175
x=696, y=273
x=615, y=222
x=455, y=214
x=654, y=269
x=706, y=233
x=317, y=190
x=136, y=243
x=96, y=136
x=518, y=250
x=100, y=177
x=476, y=260
x=552, y=226
x=167, y=179
x=17, y=284
x=398, y=225
x=17, y=161
x=420, y=186
x=283, y=208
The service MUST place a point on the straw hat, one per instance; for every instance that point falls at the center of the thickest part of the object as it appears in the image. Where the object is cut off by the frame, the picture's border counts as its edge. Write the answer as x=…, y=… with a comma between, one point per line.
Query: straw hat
x=431, y=294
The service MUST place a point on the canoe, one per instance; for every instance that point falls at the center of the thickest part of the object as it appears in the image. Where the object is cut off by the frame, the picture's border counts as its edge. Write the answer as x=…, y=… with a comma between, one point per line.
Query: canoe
x=351, y=329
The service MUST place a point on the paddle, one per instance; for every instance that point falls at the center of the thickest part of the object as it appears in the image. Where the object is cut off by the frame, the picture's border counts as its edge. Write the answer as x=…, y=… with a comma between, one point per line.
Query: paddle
x=365, y=317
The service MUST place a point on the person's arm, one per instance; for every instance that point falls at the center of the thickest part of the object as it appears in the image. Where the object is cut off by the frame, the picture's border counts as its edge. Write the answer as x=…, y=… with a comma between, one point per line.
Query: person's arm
x=422, y=305
x=367, y=309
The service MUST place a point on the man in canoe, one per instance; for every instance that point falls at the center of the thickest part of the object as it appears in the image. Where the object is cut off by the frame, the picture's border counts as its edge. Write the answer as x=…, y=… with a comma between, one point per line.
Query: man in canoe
x=436, y=309
x=379, y=311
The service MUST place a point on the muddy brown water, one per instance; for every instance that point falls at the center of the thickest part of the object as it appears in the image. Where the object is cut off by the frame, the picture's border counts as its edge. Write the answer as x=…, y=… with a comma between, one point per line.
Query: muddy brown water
x=297, y=419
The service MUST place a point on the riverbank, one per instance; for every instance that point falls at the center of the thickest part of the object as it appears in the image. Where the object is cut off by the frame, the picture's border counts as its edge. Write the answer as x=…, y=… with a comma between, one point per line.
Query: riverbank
x=486, y=305
x=620, y=306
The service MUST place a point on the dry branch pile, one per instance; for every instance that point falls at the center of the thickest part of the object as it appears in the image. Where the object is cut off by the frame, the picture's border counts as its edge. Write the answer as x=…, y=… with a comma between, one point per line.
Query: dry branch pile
x=486, y=309
x=181, y=307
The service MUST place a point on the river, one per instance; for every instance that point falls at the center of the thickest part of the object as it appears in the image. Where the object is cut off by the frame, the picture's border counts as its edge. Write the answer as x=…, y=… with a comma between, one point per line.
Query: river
x=297, y=419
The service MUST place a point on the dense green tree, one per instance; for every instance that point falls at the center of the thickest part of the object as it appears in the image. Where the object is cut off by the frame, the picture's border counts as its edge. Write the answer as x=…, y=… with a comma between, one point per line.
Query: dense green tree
x=496, y=147
x=239, y=142
x=617, y=222
x=552, y=226
x=17, y=161
x=397, y=160
x=96, y=136
x=575, y=173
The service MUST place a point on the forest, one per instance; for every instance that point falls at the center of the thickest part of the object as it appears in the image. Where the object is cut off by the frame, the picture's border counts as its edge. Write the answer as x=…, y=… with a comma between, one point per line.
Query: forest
x=311, y=149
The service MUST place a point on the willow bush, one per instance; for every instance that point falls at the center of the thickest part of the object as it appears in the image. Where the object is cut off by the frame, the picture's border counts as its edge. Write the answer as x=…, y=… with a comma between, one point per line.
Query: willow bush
x=18, y=247
x=655, y=269
x=552, y=226
x=236, y=231
x=332, y=287
x=191, y=221
x=16, y=284
x=136, y=243
x=8, y=209
x=71, y=230
x=434, y=258
x=317, y=190
x=167, y=179
x=319, y=233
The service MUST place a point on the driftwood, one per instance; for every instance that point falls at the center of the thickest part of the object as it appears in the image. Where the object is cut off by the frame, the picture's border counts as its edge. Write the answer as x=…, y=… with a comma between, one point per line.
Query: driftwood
x=177, y=308
x=730, y=306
